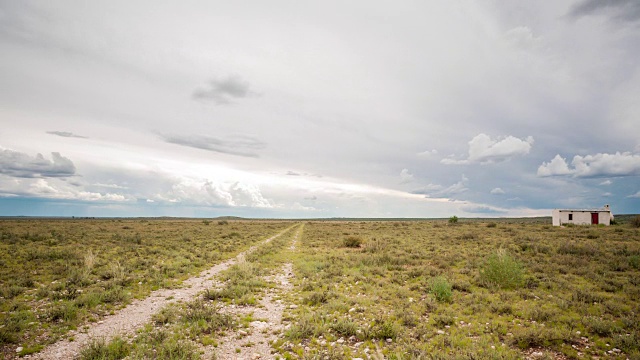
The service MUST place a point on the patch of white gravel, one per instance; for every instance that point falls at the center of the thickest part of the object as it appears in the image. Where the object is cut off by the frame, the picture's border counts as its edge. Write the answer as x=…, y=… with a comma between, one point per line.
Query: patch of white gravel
x=255, y=341
x=127, y=320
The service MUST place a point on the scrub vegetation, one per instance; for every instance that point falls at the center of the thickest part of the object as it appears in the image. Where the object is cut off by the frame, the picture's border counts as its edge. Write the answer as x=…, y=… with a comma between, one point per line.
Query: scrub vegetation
x=505, y=289
x=58, y=275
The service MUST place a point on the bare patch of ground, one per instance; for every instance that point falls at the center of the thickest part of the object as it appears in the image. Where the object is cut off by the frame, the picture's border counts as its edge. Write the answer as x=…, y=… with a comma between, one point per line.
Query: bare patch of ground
x=254, y=341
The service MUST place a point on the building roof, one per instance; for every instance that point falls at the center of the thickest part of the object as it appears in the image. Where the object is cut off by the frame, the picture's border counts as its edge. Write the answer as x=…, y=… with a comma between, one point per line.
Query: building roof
x=586, y=210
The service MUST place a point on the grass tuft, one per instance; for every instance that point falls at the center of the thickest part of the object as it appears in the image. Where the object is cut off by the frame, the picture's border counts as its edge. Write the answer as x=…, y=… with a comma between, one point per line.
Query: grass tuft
x=440, y=288
x=500, y=270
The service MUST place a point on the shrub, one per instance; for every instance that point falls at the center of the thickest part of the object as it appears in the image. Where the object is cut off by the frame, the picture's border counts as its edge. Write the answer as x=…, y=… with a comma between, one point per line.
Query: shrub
x=635, y=222
x=501, y=270
x=440, y=288
x=100, y=350
x=345, y=327
x=352, y=242
x=385, y=330
x=492, y=225
x=453, y=219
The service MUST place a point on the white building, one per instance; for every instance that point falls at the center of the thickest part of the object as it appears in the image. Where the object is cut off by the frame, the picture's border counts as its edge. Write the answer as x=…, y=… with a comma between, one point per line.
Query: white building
x=582, y=216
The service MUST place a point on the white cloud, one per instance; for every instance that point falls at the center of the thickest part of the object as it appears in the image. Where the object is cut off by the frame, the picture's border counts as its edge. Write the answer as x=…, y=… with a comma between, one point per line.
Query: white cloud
x=406, y=176
x=601, y=164
x=607, y=194
x=497, y=191
x=557, y=166
x=428, y=153
x=484, y=150
x=636, y=195
x=206, y=192
x=606, y=182
x=51, y=188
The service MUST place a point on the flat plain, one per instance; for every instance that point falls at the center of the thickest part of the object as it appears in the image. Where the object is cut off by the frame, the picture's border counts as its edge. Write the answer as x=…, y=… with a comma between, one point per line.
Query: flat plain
x=430, y=289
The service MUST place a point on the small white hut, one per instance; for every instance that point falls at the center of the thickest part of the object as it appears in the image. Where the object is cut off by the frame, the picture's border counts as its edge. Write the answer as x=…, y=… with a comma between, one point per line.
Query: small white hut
x=582, y=216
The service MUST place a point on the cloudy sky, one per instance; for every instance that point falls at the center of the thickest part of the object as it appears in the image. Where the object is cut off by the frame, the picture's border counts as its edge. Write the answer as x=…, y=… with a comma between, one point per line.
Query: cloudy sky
x=319, y=108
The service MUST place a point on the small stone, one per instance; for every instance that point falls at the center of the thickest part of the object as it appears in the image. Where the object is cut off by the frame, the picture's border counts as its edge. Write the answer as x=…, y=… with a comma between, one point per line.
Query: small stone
x=293, y=306
x=242, y=332
x=255, y=356
x=352, y=310
x=537, y=354
x=19, y=349
x=389, y=340
x=340, y=341
x=440, y=332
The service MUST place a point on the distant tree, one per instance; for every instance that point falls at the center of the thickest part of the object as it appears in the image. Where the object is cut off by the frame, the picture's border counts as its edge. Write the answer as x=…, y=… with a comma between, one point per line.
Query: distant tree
x=453, y=219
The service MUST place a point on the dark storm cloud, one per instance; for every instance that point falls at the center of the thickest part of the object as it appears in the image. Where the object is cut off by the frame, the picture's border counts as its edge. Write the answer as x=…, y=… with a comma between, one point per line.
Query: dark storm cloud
x=223, y=91
x=240, y=145
x=66, y=134
x=626, y=10
x=17, y=164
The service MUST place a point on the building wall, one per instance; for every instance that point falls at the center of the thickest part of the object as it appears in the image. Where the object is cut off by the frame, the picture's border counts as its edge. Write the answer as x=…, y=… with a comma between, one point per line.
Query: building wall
x=579, y=217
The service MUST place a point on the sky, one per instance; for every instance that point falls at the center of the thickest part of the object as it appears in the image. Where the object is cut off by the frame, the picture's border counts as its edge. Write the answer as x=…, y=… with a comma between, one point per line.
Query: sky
x=314, y=109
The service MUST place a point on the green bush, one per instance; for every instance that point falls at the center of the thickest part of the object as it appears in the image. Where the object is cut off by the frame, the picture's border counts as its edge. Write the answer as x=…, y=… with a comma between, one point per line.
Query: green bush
x=100, y=350
x=352, y=242
x=635, y=222
x=453, y=219
x=440, y=288
x=502, y=271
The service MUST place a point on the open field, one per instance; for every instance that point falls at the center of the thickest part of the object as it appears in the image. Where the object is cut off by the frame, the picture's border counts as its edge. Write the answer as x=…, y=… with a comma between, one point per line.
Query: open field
x=504, y=289
x=56, y=275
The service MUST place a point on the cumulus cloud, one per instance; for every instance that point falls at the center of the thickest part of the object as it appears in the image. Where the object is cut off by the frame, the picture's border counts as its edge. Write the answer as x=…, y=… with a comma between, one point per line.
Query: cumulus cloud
x=625, y=10
x=601, y=164
x=406, y=176
x=484, y=150
x=17, y=164
x=497, y=191
x=636, y=195
x=66, y=134
x=222, y=91
x=54, y=188
x=428, y=153
x=207, y=192
x=240, y=145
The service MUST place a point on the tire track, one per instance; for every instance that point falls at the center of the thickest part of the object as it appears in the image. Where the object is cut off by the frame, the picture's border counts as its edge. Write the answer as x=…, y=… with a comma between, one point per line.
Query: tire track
x=139, y=312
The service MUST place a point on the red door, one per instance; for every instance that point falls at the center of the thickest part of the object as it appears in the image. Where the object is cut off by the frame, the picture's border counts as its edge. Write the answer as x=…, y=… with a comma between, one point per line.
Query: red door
x=594, y=218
